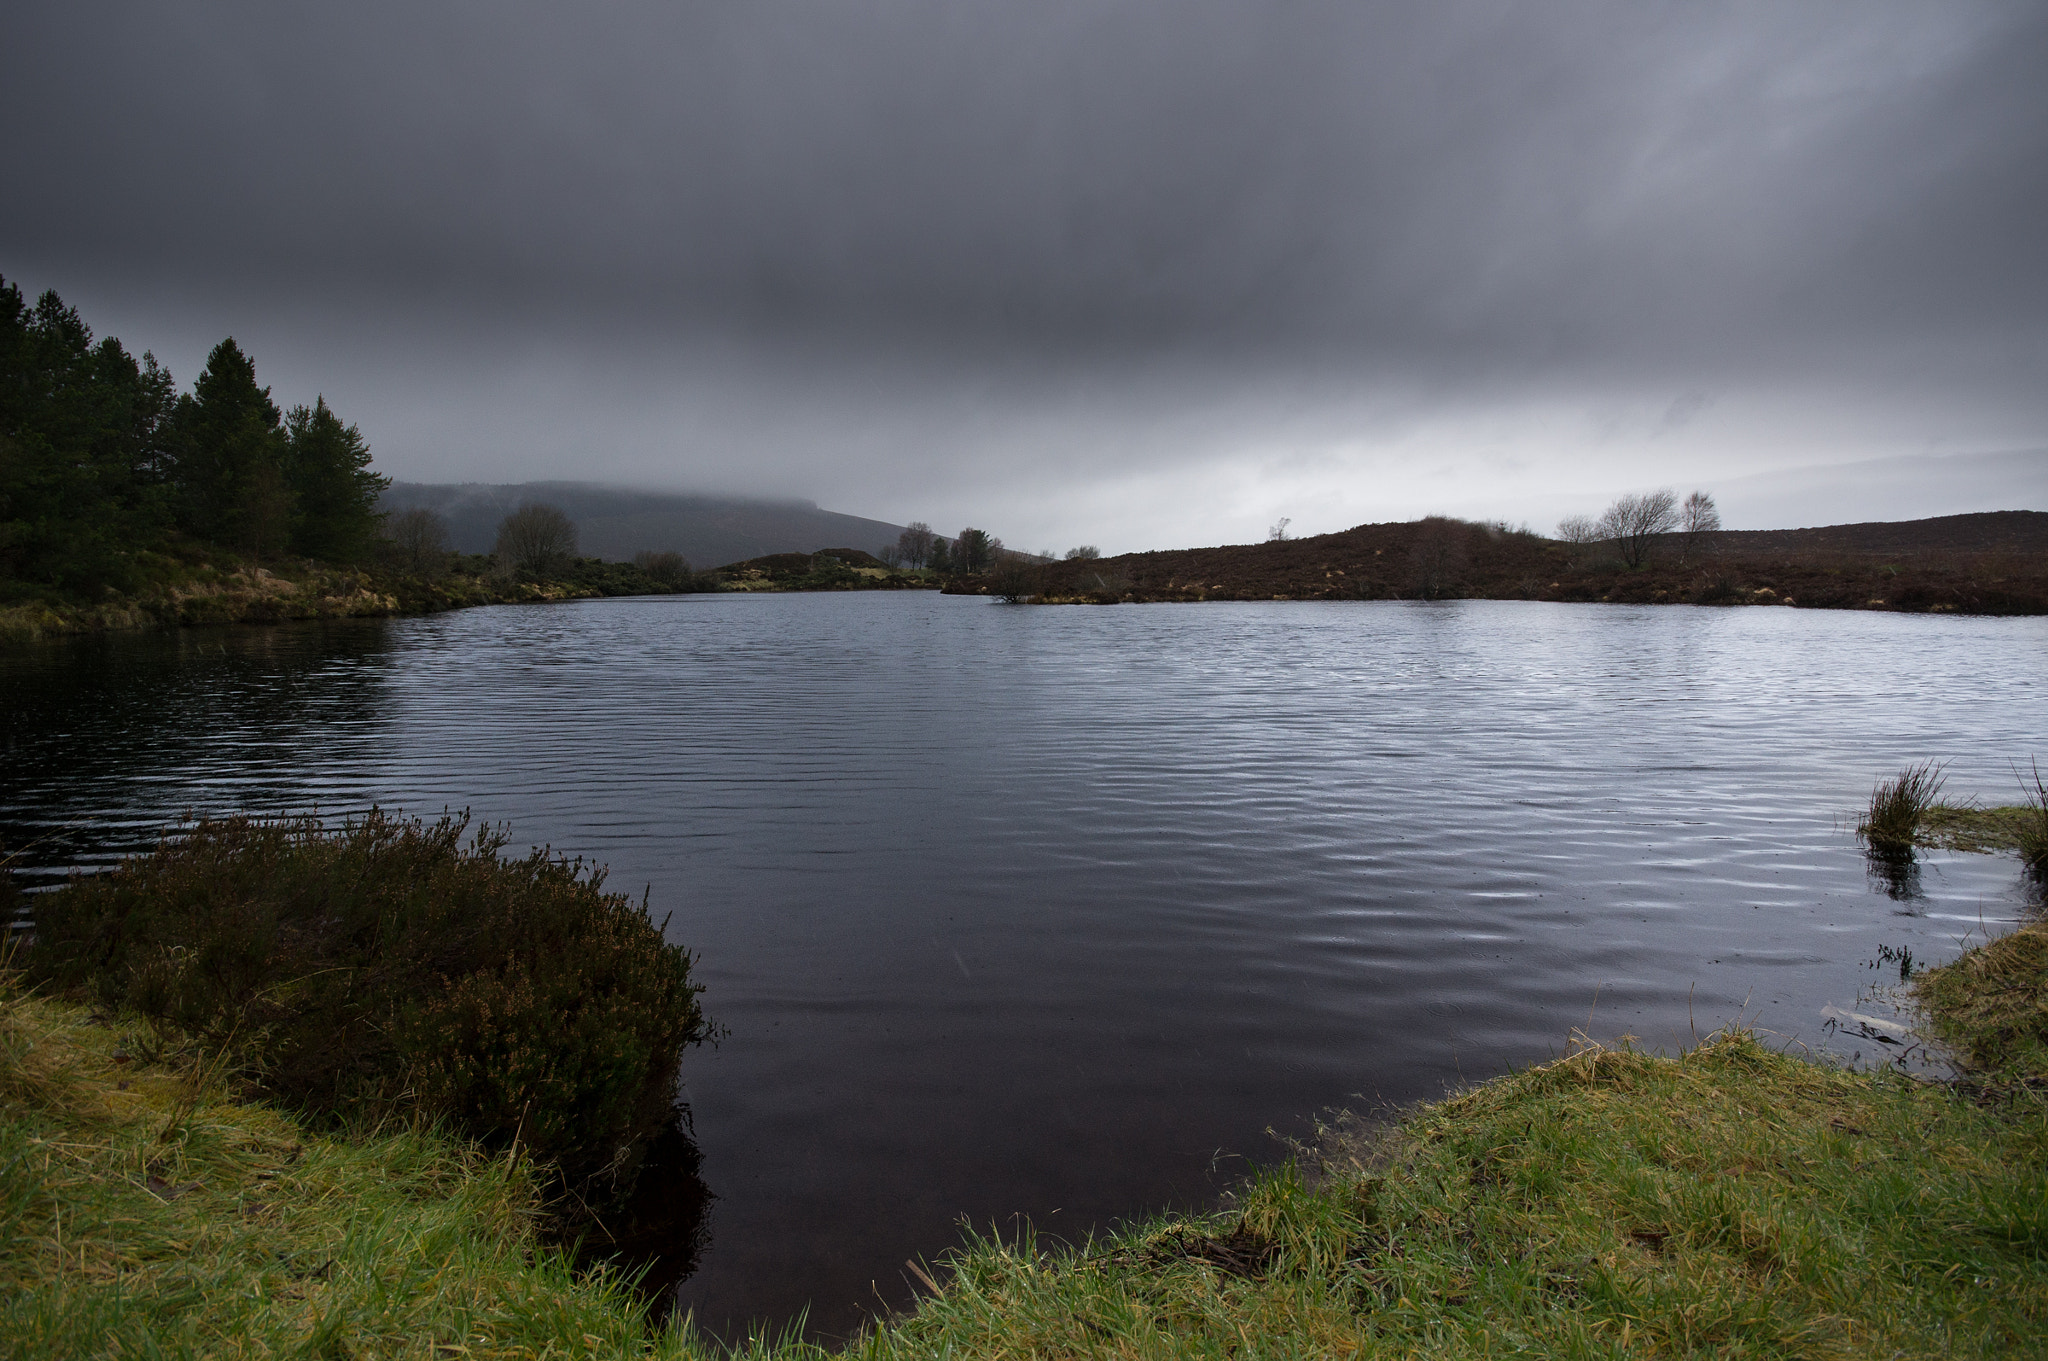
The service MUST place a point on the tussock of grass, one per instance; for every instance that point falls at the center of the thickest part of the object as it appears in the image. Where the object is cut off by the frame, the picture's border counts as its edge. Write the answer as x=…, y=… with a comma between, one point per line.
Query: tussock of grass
x=144, y=1213
x=1892, y=823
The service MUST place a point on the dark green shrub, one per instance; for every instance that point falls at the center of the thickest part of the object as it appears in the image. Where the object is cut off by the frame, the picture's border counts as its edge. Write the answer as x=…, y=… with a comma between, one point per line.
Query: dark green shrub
x=391, y=968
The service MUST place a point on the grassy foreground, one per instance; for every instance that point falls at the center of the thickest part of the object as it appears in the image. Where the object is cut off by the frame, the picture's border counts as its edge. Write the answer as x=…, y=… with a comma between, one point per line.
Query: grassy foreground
x=1730, y=1202
x=144, y=1212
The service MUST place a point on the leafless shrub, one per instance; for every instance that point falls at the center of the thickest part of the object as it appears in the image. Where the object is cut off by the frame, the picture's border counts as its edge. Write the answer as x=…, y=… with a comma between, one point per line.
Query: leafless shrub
x=667, y=569
x=536, y=538
x=420, y=539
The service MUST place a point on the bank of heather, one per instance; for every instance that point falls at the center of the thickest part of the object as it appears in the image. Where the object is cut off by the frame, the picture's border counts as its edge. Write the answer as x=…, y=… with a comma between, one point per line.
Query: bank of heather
x=1994, y=563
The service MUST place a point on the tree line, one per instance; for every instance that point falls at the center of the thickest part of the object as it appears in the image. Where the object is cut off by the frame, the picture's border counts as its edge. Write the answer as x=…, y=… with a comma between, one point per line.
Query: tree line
x=103, y=460
x=1636, y=522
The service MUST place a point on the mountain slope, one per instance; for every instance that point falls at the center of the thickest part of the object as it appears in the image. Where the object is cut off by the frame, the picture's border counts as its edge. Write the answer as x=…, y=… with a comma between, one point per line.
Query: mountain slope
x=617, y=522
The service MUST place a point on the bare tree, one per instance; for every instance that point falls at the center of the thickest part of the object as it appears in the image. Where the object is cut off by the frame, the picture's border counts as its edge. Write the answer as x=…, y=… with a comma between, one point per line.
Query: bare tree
x=1634, y=521
x=420, y=538
x=667, y=569
x=536, y=538
x=1581, y=533
x=1699, y=517
x=915, y=543
x=1087, y=552
x=1578, y=529
x=891, y=556
x=1278, y=533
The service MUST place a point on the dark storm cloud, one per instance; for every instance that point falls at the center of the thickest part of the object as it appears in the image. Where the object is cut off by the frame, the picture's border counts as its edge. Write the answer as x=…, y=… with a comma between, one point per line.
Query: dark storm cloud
x=1492, y=183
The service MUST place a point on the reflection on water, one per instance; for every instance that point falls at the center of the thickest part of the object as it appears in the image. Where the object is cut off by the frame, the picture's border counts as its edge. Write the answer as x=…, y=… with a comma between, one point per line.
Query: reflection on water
x=1053, y=912
x=1895, y=874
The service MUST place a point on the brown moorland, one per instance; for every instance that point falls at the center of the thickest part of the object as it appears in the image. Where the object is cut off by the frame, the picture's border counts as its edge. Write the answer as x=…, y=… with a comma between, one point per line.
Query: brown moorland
x=1989, y=563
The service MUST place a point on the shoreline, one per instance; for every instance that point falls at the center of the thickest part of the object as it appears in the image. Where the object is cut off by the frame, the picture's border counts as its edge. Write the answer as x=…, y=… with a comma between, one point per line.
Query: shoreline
x=1730, y=1200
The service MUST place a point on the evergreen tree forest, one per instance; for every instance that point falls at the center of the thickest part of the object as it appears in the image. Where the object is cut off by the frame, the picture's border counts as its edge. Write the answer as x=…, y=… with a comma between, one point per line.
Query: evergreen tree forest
x=107, y=470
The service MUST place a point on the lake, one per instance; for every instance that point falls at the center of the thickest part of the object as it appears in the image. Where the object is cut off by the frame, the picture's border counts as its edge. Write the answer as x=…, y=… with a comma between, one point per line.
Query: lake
x=1054, y=913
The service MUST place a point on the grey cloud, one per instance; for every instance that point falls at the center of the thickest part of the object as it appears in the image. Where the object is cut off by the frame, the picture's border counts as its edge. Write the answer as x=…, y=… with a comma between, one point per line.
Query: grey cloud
x=1509, y=182
x=1092, y=261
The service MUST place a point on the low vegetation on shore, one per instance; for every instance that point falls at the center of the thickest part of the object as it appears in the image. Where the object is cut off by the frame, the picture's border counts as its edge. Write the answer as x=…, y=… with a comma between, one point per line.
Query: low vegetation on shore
x=1730, y=1201
x=1994, y=563
x=828, y=569
x=203, y=587
x=1906, y=814
x=394, y=970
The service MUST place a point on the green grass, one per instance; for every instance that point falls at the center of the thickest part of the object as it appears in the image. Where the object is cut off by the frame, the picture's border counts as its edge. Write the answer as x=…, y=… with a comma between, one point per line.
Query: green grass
x=1891, y=825
x=1952, y=827
x=145, y=1212
x=1732, y=1201
x=1991, y=1008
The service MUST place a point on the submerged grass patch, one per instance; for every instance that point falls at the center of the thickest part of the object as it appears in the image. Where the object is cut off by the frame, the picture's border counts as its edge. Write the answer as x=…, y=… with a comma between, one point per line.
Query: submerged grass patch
x=2021, y=827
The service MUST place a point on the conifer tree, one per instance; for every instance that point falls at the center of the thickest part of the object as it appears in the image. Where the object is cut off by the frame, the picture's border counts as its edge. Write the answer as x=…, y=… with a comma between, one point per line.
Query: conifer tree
x=231, y=448
x=334, y=493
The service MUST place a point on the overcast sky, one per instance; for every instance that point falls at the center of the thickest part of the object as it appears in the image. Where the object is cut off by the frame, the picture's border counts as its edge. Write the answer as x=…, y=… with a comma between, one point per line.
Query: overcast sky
x=1144, y=273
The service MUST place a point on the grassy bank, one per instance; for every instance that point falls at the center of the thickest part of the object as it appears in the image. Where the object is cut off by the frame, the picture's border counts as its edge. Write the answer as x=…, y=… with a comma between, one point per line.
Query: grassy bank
x=1731, y=1201
x=146, y=1212
x=206, y=586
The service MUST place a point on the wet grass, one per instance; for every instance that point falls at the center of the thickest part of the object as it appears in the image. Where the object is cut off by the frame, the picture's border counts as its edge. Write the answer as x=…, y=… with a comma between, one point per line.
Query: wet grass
x=145, y=1212
x=1733, y=1201
x=1991, y=1007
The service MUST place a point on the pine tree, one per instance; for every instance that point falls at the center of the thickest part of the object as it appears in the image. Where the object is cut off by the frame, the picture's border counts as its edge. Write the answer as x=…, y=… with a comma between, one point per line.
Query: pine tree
x=334, y=494
x=231, y=447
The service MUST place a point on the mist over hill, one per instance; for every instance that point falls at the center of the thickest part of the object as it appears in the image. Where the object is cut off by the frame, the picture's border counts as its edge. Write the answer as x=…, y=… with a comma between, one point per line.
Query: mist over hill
x=617, y=522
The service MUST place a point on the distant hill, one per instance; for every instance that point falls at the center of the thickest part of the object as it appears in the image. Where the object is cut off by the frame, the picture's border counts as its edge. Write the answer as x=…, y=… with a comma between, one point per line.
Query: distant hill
x=1989, y=563
x=617, y=522
x=1881, y=489
x=1992, y=531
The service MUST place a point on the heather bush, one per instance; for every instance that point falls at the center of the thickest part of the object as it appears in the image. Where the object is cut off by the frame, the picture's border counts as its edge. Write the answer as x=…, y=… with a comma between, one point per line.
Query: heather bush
x=394, y=968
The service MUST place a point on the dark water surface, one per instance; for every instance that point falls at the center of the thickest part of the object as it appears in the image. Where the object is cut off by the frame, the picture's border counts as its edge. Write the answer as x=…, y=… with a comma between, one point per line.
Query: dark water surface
x=1052, y=912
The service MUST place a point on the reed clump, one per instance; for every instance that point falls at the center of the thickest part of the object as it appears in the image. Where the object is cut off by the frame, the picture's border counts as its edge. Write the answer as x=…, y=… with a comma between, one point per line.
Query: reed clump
x=395, y=969
x=1891, y=825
